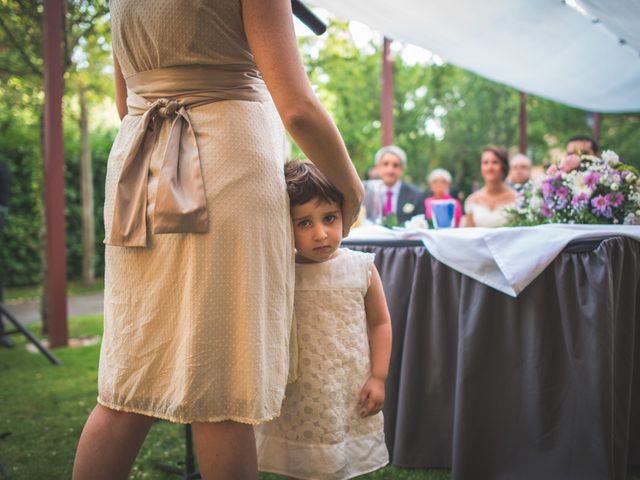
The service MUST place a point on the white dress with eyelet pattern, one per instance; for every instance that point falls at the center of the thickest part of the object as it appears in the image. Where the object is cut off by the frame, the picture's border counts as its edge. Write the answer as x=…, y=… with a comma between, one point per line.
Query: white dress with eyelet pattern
x=197, y=326
x=320, y=434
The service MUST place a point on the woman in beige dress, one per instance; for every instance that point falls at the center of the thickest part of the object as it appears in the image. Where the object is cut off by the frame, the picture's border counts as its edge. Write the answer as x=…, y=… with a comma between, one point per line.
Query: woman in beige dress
x=486, y=207
x=199, y=256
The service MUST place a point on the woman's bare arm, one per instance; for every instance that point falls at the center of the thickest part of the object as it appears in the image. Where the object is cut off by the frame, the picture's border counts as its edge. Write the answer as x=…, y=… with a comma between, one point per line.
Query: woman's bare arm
x=269, y=29
x=121, y=88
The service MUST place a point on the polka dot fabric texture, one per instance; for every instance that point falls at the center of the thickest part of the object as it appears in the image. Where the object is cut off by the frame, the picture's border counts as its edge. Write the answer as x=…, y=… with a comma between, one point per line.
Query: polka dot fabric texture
x=150, y=34
x=320, y=433
x=197, y=326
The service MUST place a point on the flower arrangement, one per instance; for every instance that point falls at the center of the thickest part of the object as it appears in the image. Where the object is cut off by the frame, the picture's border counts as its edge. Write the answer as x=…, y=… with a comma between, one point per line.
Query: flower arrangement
x=582, y=189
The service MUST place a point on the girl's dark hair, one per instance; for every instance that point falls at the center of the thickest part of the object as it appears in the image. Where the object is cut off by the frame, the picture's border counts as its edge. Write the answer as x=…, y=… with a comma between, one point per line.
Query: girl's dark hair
x=502, y=155
x=305, y=182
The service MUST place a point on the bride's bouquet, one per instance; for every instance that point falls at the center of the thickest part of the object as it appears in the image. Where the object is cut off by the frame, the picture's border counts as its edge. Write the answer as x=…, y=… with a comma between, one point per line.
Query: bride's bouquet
x=582, y=189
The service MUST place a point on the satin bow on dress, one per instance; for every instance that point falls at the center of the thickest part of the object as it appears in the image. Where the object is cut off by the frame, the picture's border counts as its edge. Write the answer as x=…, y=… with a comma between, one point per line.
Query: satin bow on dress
x=161, y=95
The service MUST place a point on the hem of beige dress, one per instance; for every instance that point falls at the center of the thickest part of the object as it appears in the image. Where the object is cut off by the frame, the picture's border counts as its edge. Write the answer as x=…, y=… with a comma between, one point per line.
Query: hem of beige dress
x=287, y=474
x=184, y=420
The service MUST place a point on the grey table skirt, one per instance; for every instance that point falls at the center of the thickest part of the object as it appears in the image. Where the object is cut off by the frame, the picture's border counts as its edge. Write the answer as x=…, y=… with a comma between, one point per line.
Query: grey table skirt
x=543, y=386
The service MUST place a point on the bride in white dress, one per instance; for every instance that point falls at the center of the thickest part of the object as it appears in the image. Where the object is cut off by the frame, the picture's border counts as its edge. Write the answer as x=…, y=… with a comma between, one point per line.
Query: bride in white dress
x=486, y=207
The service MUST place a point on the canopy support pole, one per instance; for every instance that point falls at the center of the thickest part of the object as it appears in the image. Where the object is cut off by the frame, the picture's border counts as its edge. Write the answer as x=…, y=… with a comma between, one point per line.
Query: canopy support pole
x=387, y=93
x=56, y=297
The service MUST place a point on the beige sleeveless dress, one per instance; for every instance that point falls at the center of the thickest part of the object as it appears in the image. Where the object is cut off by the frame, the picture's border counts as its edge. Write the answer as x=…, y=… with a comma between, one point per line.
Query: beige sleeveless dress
x=197, y=325
x=320, y=434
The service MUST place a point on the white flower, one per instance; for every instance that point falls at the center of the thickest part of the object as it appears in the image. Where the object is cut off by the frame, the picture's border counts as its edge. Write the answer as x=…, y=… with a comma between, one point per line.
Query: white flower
x=535, y=202
x=630, y=178
x=578, y=186
x=408, y=208
x=416, y=222
x=632, y=219
x=615, y=187
x=610, y=157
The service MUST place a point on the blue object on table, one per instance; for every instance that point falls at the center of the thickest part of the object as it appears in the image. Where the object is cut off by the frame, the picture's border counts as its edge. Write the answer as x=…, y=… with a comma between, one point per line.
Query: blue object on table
x=442, y=213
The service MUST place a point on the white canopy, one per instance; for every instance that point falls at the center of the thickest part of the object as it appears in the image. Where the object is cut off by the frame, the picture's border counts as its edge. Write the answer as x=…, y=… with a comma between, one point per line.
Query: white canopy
x=589, y=60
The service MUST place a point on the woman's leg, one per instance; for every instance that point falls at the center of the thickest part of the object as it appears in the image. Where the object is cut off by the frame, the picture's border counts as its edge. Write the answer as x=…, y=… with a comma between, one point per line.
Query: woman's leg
x=226, y=450
x=109, y=444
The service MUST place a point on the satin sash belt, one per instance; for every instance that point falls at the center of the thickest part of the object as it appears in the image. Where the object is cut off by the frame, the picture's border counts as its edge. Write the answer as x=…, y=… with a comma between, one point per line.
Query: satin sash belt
x=168, y=94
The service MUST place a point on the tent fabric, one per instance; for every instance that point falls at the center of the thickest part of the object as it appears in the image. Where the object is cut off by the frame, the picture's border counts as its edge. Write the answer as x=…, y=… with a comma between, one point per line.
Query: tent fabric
x=542, y=47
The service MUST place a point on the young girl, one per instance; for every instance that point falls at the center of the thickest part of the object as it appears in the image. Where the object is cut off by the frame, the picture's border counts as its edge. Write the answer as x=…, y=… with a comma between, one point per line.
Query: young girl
x=331, y=424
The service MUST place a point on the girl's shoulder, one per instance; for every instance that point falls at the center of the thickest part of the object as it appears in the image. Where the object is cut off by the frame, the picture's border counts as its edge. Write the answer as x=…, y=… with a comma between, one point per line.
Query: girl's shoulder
x=357, y=255
x=348, y=269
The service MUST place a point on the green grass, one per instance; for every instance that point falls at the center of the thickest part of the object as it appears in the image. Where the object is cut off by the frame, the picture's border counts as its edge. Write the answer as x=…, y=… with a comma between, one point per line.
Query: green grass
x=44, y=407
x=20, y=294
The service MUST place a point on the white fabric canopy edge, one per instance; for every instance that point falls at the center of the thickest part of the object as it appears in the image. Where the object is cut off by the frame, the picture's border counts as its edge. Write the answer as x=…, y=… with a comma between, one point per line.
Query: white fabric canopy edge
x=542, y=47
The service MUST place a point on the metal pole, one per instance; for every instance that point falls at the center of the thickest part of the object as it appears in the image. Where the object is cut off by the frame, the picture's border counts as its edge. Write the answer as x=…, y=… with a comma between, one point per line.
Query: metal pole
x=387, y=93
x=54, y=174
x=523, y=120
x=596, y=126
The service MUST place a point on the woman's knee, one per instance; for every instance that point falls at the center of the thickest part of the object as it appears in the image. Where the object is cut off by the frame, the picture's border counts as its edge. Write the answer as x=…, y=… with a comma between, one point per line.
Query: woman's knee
x=119, y=418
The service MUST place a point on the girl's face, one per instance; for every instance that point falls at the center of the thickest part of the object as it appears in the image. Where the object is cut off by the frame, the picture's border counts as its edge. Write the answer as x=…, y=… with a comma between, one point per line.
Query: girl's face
x=439, y=187
x=317, y=230
x=490, y=167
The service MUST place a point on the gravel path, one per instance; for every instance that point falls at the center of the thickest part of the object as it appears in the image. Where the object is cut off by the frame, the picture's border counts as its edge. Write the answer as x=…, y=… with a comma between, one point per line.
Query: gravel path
x=86, y=304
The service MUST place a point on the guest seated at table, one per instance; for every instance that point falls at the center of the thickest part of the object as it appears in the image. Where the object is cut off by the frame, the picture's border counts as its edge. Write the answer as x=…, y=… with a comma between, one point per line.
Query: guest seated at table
x=392, y=195
x=486, y=207
x=519, y=172
x=582, y=145
x=439, y=182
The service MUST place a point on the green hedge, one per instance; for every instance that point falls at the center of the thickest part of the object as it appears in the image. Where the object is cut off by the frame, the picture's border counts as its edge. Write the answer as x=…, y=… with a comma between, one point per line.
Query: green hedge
x=21, y=240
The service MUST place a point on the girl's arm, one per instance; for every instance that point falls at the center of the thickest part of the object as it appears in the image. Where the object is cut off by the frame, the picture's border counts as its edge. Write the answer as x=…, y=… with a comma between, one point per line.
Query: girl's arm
x=379, y=331
x=269, y=30
x=121, y=89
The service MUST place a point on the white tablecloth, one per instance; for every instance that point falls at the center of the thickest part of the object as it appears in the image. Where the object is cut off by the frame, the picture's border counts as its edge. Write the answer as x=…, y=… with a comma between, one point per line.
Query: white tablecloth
x=508, y=258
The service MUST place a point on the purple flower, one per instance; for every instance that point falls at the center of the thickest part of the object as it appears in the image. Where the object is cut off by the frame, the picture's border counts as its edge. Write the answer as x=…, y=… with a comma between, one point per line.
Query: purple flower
x=580, y=200
x=547, y=187
x=562, y=192
x=616, y=199
x=602, y=206
x=546, y=211
x=591, y=179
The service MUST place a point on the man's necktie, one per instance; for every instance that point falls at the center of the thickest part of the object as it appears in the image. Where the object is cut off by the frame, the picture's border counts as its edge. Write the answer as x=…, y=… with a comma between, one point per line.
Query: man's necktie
x=388, y=206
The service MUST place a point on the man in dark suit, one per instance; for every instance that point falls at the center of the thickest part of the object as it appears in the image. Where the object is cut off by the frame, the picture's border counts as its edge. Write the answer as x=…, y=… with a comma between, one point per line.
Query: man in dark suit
x=390, y=195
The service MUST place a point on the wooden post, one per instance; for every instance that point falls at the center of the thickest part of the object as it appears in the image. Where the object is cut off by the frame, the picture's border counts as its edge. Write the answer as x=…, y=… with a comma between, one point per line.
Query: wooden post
x=596, y=127
x=54, y=173
x=523, y=120
x=387, y=93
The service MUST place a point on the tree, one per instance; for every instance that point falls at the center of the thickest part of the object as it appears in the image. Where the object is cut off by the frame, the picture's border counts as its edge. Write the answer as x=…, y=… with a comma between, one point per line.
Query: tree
x=347, y=81
x=89, y=80
x=20, y=52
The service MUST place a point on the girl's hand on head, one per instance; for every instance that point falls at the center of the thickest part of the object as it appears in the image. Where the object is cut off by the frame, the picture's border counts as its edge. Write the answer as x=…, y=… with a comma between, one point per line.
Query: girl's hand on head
x=371, y=398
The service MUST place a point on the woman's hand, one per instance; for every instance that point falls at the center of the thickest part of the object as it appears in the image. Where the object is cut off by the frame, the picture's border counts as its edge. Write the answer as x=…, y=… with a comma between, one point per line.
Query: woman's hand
x=371, y=397
x=351, y=207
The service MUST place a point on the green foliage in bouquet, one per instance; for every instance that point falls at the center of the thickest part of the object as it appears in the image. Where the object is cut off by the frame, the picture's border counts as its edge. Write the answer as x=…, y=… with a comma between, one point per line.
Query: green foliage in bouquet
x=582, y=189
x=390, y=221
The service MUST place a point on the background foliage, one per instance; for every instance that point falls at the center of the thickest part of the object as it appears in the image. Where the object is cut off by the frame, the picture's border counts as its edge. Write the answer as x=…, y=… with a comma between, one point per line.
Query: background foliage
x=443, y=116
